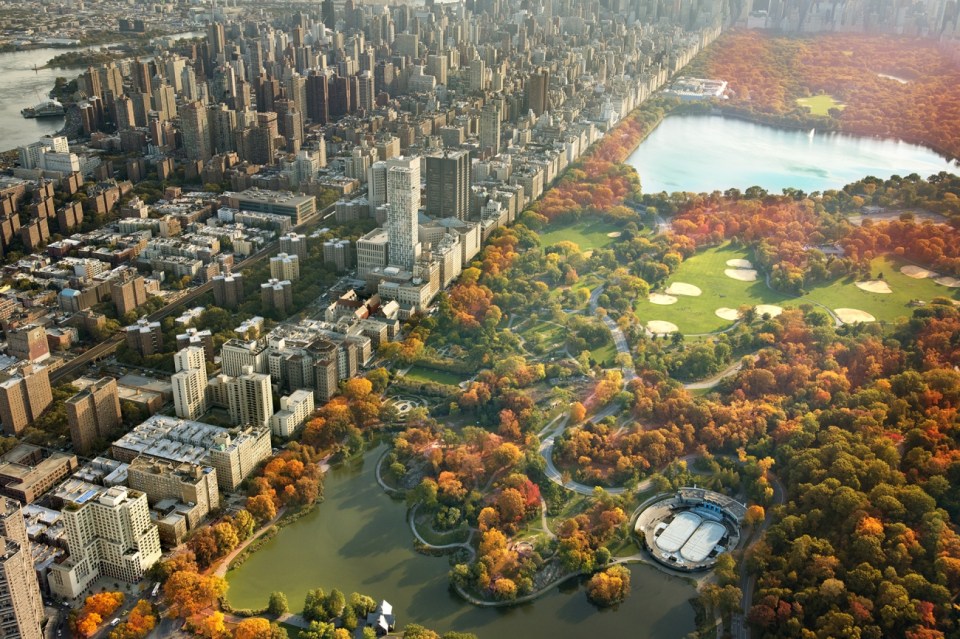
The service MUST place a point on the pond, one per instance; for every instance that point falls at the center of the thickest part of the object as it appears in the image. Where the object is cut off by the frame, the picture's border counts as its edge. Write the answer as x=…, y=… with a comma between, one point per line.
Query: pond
x=707, y=153
x=358, y=540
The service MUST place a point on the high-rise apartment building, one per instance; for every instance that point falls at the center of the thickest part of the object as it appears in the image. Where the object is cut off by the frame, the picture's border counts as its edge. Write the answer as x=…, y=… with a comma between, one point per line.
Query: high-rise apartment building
x=21, y=607
x=23, y=397
x=190, y=382
x=108, y=533
x=294, y=244
x=228, y=290
x=285, y=267
x=251, y=398
x=196, y=131
x=277, y=294
x=128, y=295
x=193, y=485
x=490, y=128
x=403, y=202
x=235, y=355
x=295, y=408
x=448, y=184
x=538, y=86
x=28, y=342
x=145, y=337
x=94, y=413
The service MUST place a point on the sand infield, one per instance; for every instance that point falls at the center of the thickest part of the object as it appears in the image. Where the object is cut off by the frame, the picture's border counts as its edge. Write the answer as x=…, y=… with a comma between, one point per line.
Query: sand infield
x=874, y=286
x=729, y=314
x=768, y=309
x=682, y=288
x=853, y=316
x=661, y=299
x=739, y=263
x=741, y=274
x=659, y=327
x=917, y=272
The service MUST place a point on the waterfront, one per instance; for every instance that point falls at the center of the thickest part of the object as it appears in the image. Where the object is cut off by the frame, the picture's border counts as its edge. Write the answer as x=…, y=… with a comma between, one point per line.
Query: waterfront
x=23, y=86
x=707, y=153
x=358, y=540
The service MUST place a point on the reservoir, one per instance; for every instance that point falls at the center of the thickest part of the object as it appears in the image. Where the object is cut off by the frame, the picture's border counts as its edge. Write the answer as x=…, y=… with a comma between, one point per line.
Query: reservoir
x=358, y=540
x=708, y=153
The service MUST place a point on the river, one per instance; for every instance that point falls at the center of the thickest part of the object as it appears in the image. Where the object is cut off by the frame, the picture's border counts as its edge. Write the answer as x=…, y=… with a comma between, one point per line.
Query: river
x=358, y=540
x=22, y=86
x=707, y=153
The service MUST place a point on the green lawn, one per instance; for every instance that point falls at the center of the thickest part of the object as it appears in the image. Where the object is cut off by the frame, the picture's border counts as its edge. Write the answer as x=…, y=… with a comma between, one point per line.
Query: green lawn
x=843, y=293
x=706, y=270
x=421, y=374
x=586, y=234
x=605, y=354
x=820, y=104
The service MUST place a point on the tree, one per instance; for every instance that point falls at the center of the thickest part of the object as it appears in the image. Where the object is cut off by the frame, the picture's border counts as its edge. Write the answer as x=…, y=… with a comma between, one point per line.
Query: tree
x=277, y=604
x=314, y=605
x=244, y=524
x=577, y=413
x=211, y=626
x=335, y=603
x=257, y=628
x=609, y=587
x=262, y=508
x=755, y=515
x=187, y=593
x=226, y=537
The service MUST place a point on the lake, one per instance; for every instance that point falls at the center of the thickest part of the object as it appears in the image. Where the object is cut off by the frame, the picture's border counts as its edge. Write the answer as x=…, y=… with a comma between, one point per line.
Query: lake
x=358, y=540
x=707, y=153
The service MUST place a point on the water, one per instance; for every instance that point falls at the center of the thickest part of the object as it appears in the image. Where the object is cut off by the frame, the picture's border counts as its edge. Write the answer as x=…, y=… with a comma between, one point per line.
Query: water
x=358, y=540
x=707, y=153
x=21, y=86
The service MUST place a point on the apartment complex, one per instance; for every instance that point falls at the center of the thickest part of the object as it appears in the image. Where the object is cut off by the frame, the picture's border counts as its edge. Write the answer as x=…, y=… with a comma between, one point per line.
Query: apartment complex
x=234, y=452
x=94, y=413
x=108, y=533
x=23, y=397
x=26, y=472
x=190, y=382
x=181, y=494
x=21, y=605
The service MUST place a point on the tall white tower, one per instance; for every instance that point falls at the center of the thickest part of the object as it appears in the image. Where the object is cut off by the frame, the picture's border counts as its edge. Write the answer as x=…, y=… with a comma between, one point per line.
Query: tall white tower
x=403, y=201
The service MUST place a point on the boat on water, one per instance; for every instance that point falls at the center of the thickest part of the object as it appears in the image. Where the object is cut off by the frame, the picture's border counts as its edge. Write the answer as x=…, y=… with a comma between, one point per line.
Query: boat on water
x=46, y=109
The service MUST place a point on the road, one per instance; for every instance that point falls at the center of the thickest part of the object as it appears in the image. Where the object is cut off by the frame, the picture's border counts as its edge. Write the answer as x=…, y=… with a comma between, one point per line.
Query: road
x=107, y=348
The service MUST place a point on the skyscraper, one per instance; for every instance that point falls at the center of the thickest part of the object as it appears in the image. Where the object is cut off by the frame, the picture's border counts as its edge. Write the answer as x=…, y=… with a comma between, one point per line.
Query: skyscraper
x=448, y=184
x=93, y=413
x=222, y=123
x=21, y=607
x=190, y=382
x=538, y=85
x=490, y=128
x=251, y=398
x=366, y=93
x=403, y=201
x=196, y=131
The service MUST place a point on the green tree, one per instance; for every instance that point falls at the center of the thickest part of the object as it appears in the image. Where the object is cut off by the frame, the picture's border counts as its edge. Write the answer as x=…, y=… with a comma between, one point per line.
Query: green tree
x=277, y=604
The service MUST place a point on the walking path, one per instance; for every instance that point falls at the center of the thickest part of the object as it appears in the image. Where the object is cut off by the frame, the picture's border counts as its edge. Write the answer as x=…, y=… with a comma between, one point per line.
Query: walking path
x=224, y=565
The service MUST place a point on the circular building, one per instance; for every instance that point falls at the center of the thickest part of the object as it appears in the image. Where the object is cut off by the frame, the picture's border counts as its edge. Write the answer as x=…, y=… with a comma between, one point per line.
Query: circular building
x=688, y=530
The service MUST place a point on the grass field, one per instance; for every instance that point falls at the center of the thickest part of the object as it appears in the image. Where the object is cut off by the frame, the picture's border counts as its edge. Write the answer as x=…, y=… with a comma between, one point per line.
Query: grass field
x=605, y=354
x=587, y=234
x=705, y=270
x=820, y=104
x=843, y=293
x=551, y=336
x=421, y=374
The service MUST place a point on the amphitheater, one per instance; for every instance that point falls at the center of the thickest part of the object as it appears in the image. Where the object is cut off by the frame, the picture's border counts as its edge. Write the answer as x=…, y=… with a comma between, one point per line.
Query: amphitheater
x=688, y=530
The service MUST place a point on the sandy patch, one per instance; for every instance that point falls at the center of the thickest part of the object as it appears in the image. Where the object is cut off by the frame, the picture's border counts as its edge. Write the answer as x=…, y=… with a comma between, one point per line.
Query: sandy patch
x=853, y=316
x=739, y=263
x=874, y=286
x=768, y=309
x=917, y=272
x=681, y=288
x=729, y=314
x=614, y=234
x=742, y=274
x=659, y=327
x=946, y=280
x=661, y=299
